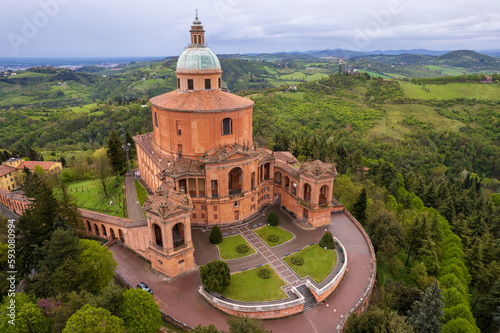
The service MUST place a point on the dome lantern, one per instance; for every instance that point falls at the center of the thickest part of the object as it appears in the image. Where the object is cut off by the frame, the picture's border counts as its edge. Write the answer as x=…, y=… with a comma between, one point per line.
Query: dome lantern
x=198, y=68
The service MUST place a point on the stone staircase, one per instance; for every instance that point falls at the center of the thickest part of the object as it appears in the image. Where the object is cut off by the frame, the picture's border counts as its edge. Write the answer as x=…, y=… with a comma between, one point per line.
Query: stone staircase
x=310, y=301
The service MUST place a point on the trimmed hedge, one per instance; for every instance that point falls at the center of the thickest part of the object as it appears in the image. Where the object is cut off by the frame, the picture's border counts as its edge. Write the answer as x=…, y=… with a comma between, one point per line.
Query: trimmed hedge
x=299, y=261
x=264, y=273
x=242, y=248
x=273, y=238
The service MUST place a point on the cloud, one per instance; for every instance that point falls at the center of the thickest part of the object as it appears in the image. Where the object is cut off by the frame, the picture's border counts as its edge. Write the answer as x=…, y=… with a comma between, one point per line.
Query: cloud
x=161, y=28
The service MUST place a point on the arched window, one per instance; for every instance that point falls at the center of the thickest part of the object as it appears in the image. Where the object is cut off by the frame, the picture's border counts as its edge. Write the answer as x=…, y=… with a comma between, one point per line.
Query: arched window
x=96, y=229
x=158, y=237
x=287, y=182
x=227, y=126
x=156, y=120
x=104, y=233
x=178, y=235
x=323, y=195
x=307, y=192
x=112, y=233
x=235, y=181
x=277, y=178
x=120, y=236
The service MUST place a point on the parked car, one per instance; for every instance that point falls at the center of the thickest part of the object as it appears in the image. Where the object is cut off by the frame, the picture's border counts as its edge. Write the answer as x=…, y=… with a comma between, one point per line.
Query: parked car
x=144, y=287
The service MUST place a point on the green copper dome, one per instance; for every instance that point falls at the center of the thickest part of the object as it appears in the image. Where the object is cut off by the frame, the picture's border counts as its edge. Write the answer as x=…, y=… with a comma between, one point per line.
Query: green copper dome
x=198, y=58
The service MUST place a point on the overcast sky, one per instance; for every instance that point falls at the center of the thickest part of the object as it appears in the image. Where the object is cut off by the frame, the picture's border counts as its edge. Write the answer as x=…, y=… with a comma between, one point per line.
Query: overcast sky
x=97, y=28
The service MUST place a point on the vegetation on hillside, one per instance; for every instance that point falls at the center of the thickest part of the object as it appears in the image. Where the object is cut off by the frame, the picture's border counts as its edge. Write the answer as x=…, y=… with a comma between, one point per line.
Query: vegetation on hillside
x=418, y=163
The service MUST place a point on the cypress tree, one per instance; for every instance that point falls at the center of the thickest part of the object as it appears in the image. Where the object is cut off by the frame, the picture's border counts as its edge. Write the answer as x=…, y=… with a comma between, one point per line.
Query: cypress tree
x=425, y=315
x=327, y=241
x=132, y=153
x=273, y=219
x=116, y=155
x=215, y=235
x=359, y=207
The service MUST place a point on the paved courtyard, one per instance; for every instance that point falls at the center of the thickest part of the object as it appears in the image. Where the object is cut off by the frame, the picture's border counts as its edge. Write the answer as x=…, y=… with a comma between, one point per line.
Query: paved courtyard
x=180, y=299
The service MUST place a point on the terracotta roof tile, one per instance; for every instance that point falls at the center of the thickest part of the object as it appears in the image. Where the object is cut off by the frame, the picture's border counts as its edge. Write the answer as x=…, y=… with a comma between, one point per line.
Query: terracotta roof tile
x=201, y=101
x=31, y=164
x=174, y=167
x=167, y=201
x=5, y=170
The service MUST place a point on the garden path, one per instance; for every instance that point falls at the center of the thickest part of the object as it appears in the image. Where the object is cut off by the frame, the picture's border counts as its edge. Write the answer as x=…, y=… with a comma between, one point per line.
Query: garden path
x=279, y=266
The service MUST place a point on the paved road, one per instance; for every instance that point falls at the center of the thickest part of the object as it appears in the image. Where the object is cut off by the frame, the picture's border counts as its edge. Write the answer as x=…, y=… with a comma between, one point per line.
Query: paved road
x=134, y=210
x=180, y=298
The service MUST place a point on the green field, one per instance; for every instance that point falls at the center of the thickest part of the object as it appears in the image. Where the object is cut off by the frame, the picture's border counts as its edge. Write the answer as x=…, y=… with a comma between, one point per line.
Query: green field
x=267, y=230
x=393, y=124
x=445, y=71
x=249, y=287
x=227, y=249
x=373, y=74
x=85, y=108
x=452, y=90
x=318, y=262
x=89, y=195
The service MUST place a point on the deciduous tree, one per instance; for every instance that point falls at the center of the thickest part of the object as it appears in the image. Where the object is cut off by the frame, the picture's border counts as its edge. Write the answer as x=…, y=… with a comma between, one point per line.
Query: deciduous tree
x=215, y=275
x=140, y=312
x=93, y=320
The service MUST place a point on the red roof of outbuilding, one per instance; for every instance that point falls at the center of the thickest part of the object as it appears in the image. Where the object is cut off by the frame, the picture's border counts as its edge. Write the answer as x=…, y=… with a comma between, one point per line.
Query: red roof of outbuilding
x=5, y=170
x=31, y=165
x=201, y=101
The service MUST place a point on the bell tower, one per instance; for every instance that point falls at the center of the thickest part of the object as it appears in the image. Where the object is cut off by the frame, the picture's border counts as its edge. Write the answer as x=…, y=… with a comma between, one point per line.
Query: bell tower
x=197, y=33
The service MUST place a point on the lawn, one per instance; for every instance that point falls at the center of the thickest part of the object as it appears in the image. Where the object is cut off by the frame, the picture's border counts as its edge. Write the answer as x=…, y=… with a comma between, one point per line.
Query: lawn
x=141, y=192
x=249, y=287
x=267, y=230
x=227, y=248
x=89, y=195
x=318, y=262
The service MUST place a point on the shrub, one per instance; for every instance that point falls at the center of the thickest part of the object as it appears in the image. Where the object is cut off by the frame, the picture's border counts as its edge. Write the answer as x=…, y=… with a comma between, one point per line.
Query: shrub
x=215, y=235
x=215, y=276
x=264, y=273
x=327, y=241
x=273, y=238
x=273, y=219
x=242, y=248
x=299, y=261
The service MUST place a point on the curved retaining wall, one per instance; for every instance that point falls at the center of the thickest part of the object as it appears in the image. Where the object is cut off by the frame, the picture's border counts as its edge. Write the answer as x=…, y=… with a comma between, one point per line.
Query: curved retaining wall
x=324, y=290
x=261, y=310
x=363, y=301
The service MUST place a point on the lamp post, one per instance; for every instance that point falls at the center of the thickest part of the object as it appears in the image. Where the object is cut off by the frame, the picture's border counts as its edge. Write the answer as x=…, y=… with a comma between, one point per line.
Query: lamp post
x=127, y=148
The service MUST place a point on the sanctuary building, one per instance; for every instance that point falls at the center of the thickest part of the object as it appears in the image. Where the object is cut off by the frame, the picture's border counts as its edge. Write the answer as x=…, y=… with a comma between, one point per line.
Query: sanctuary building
x=203, y=168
